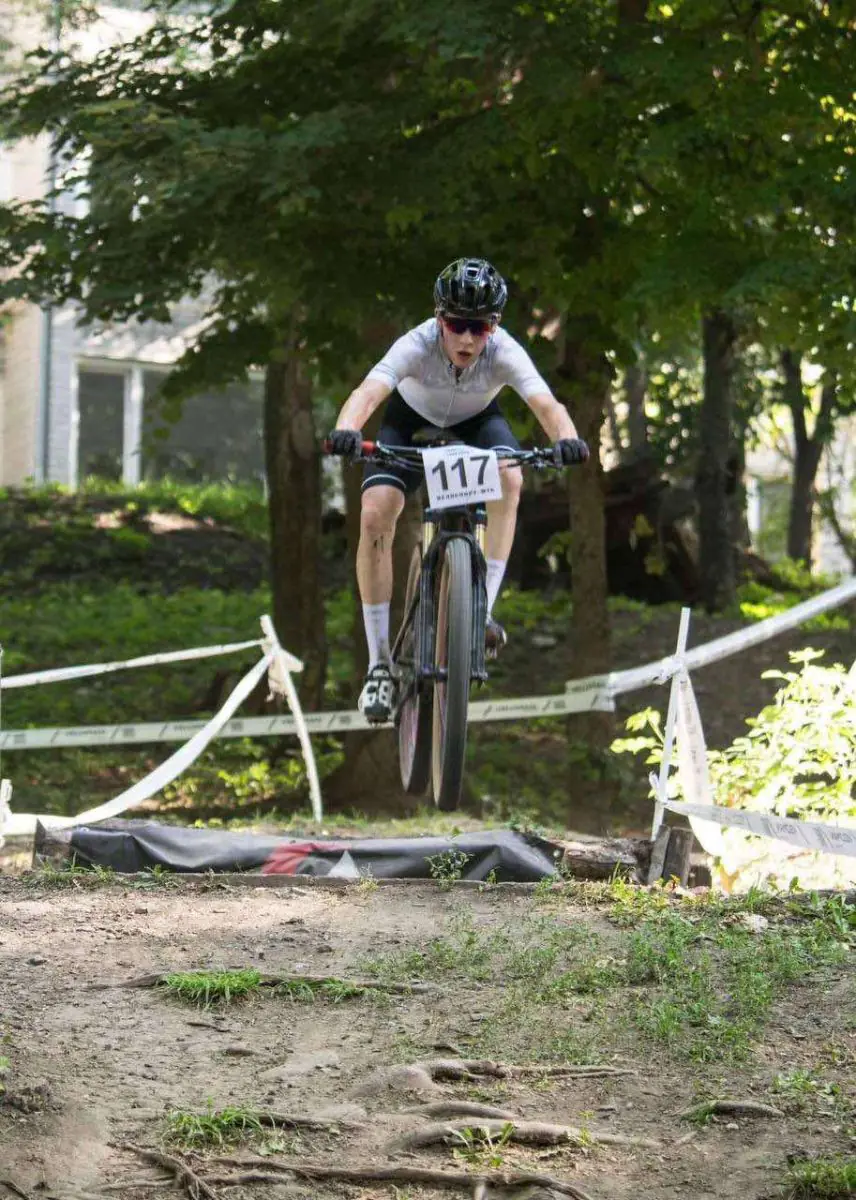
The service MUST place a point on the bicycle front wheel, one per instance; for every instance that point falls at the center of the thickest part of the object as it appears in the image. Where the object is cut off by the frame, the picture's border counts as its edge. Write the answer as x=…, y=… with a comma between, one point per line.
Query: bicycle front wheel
x=414, y=715
x=453, y=654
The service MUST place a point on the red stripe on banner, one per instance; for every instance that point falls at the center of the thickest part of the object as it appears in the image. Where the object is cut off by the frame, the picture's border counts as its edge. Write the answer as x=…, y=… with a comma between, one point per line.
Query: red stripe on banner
x=286, y=860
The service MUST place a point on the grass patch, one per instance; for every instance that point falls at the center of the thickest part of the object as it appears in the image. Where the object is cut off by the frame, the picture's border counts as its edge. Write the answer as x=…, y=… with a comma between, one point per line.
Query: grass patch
x=216, y=1127
x=305, y=991
x=73, y=875
x=206, y=988
x=714, y=983
x=801, y=1091
x=821, y=1179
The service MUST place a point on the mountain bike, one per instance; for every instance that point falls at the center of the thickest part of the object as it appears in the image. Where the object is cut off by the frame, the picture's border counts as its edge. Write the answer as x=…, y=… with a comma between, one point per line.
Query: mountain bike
x=439, y=651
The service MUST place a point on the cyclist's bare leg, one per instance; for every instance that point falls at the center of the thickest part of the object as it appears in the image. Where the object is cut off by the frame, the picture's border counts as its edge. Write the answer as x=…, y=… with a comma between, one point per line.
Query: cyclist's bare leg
x=501, y=523
x=502, y=516
x=381, y=508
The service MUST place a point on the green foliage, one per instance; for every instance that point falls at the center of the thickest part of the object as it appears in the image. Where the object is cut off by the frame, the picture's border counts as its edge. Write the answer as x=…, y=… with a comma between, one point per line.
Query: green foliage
x=207, y=988
x=756, y=601
x=238, y=506
x=799, y=756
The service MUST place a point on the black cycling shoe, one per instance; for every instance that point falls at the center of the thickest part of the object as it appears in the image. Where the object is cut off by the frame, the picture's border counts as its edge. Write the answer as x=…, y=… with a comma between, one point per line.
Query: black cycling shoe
x=495, y=637
x=375, y=702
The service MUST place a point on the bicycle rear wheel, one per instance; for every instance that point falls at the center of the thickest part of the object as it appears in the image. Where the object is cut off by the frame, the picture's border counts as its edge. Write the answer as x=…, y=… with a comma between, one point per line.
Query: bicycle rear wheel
x=414, y=714
x=453, y=653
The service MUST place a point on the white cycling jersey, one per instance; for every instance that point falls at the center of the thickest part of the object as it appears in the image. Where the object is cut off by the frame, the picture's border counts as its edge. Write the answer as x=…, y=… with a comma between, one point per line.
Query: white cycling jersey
x=444, y=394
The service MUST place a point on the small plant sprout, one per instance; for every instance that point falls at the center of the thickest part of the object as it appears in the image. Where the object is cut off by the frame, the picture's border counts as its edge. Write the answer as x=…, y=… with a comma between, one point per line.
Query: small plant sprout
x=448, y=867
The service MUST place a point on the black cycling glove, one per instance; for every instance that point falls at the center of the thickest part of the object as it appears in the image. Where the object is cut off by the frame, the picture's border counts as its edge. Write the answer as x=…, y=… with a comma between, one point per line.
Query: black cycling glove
x=347, y=443
x=568, y=451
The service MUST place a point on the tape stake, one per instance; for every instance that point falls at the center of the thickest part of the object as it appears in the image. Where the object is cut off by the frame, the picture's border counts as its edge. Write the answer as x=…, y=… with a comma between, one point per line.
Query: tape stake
x=669, y=732
x=693, y=772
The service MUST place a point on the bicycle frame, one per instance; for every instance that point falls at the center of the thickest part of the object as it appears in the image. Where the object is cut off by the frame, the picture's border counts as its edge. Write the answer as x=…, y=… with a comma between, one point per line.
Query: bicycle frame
x=438, y=528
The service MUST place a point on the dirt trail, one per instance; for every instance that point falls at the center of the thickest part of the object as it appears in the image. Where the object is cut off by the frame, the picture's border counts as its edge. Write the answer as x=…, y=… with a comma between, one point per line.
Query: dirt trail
x=91, y=1069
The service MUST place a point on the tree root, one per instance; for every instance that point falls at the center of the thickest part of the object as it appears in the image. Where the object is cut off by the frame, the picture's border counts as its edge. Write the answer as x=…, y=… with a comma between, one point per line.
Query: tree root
x=13, y=1187
x=526, y=1132
x=184, y=1175
x=423, y=1076
x=474, y=1068
x=270, y=1171
x=461, y=1108
x=289, y=1121
x=401, y=989
x=730, y=1108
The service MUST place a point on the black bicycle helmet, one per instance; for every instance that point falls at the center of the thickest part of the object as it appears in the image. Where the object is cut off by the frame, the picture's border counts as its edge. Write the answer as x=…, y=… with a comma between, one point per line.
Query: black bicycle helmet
x=470, y=287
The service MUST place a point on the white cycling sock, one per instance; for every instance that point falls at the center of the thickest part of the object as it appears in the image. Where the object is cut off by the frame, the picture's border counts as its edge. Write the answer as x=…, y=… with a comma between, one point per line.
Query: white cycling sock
x=495, y=572
x=376, y=621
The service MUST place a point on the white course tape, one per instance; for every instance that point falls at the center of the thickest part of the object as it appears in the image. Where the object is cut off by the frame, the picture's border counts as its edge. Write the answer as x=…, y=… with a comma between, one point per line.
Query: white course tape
x=808, y=835
x=663, y=670
x=343, y=720
x=156, y=780
x=149, y=660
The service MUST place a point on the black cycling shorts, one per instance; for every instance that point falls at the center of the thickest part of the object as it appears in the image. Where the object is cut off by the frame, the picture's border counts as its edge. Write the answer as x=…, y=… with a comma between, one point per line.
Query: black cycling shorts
x=488, y=430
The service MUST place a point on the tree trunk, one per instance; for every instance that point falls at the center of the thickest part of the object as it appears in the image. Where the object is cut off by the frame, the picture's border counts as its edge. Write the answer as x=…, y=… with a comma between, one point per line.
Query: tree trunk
x=807, y=455
x=585, y=376
x=369, y=779
x=738, y=516
x=293, y=467
x=635, y=389
x=715, y=471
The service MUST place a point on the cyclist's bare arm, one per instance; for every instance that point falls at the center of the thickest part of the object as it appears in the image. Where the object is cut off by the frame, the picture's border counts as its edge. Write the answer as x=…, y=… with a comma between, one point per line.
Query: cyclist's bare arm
x=552, y=416
x=361, y=403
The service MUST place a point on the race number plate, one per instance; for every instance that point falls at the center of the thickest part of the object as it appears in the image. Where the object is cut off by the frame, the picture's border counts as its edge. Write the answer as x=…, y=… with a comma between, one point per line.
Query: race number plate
x=459, y=475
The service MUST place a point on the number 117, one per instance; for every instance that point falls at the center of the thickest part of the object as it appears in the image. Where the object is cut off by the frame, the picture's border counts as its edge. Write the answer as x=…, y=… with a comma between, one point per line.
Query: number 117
x=460, y=465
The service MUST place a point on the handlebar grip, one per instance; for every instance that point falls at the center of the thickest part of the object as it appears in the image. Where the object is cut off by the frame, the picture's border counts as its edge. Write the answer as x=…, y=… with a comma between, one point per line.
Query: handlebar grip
x=365, y=447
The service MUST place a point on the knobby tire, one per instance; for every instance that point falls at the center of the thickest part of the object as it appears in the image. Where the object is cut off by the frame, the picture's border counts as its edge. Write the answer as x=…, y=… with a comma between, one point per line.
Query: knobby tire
x=415, y=714
x=453, y=650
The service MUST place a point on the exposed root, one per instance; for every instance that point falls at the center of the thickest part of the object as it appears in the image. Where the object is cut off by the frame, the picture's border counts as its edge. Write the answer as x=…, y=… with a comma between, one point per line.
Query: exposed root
x=461, y=1108
x=528, y=1133
x=125, y=1185
x=13, y=1187
x=290, y=1121
x=474, y=1068
x=270, y=1171
x=195, y=1186
x=422, y=1077
x=730, y=1108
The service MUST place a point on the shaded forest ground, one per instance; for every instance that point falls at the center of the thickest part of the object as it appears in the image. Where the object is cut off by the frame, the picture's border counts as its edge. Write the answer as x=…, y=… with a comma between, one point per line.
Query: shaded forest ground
x=103, y=575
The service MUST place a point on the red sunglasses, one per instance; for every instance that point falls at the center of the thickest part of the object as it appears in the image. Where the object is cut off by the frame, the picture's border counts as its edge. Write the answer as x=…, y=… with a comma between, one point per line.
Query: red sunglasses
x=472, y=325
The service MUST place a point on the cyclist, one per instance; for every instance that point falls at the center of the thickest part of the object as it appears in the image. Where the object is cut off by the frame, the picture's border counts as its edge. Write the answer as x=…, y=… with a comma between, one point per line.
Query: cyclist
x=444, y=373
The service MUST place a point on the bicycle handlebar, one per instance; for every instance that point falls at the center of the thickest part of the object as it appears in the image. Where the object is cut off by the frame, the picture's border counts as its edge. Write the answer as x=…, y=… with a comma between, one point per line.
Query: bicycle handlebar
x=411, y=456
